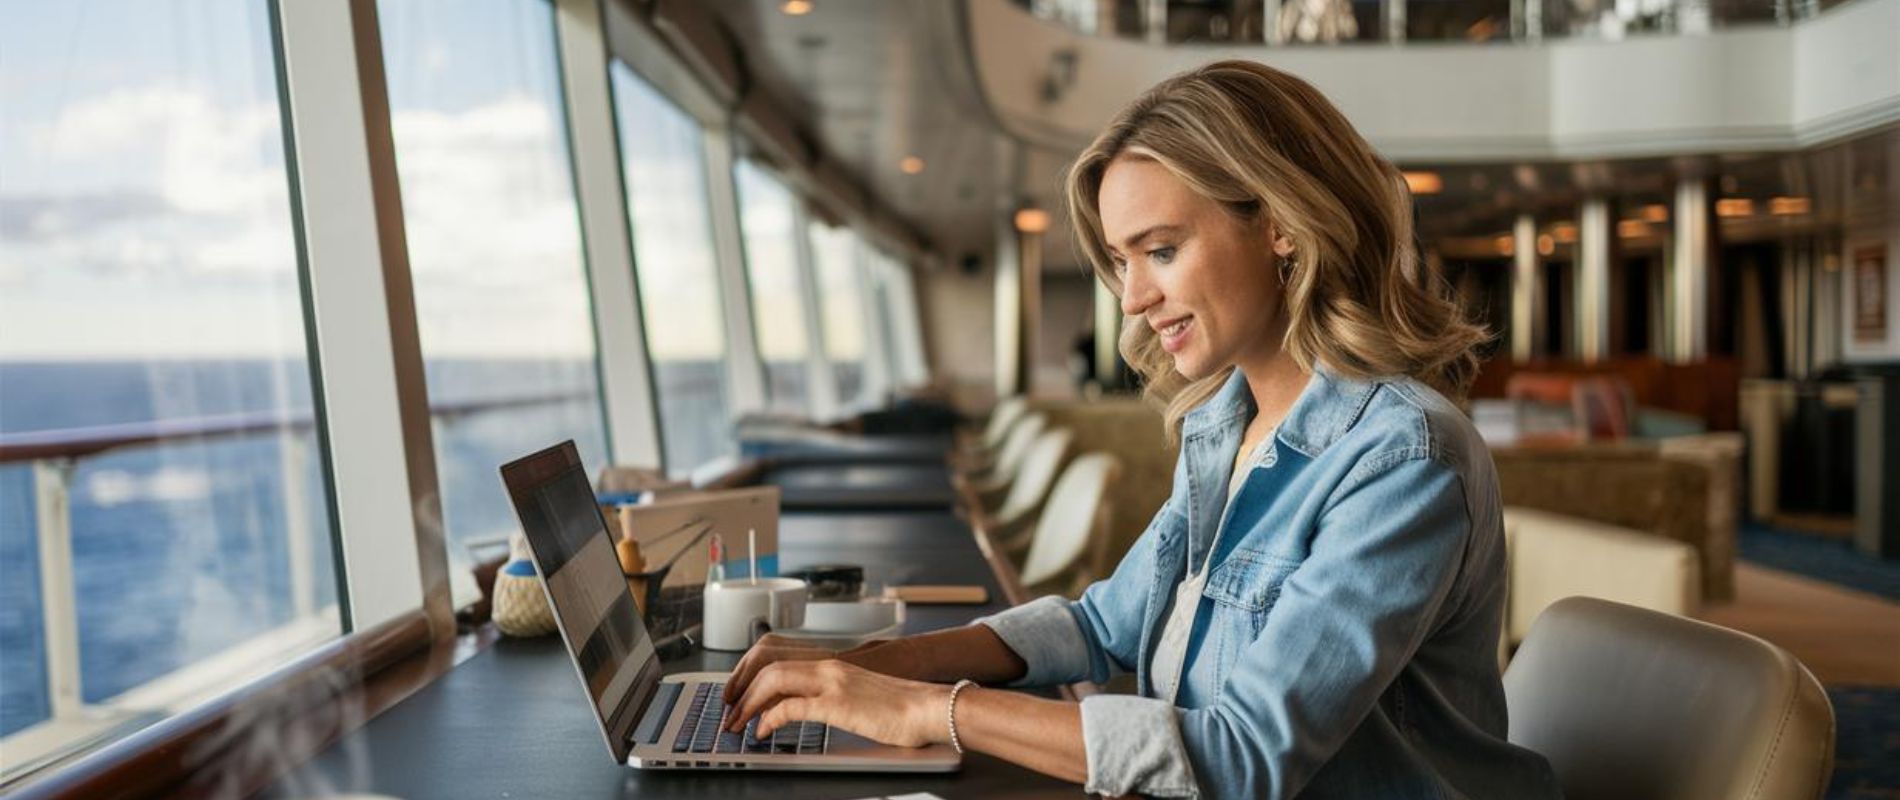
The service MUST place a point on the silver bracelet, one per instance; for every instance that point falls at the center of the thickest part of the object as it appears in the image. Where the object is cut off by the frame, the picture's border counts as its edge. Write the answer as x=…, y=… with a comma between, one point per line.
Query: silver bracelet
x=954, y=691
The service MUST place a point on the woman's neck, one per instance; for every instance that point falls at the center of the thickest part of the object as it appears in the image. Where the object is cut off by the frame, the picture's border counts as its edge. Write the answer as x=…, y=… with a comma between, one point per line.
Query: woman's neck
x=1273, y=378
x=1275, y=384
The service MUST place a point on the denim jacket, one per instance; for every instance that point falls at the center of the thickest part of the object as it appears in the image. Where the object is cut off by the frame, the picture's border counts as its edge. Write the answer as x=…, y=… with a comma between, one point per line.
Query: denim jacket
x=1346, y=641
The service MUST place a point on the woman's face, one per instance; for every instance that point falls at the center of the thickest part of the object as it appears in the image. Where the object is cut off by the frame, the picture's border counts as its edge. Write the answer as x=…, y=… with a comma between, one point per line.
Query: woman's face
x=1207, y=283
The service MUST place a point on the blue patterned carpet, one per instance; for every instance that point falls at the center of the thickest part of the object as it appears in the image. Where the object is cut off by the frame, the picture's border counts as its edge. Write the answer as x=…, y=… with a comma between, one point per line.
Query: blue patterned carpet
x=1866, y=743
x=1867, y=718
x=1831, y=560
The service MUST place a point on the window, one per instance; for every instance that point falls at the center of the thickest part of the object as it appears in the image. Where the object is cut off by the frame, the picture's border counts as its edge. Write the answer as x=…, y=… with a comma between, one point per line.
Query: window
x=663, y=151
x=778, y=308
x=501, y=292
x=899, y=305
x=168, y=536
x=835, y=260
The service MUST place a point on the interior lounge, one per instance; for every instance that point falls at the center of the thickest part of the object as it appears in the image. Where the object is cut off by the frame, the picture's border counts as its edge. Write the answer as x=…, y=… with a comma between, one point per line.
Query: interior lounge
x=950, y=398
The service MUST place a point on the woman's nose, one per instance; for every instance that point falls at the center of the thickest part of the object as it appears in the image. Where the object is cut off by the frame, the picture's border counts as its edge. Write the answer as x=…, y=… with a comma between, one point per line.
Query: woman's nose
x=1138, y=291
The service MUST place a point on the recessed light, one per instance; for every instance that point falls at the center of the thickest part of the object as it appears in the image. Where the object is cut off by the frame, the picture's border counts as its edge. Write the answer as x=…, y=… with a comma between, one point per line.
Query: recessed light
x=1424, y=182
x=1655, y=212
x=911, y=165
x=795, y=8
x=1564, y=232
x=1032, y=220
x=1734, y=207
x=1632, y=228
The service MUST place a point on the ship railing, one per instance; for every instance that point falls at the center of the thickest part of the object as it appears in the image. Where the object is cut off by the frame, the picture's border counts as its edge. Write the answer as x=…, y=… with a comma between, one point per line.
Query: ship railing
x=53, y=456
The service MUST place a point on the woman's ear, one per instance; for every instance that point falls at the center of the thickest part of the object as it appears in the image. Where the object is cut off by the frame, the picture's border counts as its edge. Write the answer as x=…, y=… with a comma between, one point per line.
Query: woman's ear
x=1282, y=246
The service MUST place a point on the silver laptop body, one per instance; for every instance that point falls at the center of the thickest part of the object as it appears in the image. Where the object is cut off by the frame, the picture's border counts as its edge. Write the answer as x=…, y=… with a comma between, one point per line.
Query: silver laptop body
x=649, y=720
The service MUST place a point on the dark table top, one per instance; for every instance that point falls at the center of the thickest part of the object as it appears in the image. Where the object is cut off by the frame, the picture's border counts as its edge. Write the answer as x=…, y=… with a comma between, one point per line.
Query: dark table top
x=513, y=721
x=808, y=445
x=862, y=486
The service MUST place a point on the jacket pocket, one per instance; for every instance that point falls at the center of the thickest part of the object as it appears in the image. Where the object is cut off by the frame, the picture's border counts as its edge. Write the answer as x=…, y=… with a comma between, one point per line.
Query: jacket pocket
x=1249, y=580
x=1243, y=590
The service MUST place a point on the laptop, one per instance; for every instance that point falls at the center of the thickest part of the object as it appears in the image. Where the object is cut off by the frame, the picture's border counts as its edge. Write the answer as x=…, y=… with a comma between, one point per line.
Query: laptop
x=650, y=720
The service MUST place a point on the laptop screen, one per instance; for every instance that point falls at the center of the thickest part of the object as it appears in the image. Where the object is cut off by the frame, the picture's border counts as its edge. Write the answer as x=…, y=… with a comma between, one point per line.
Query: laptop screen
x=592, y=606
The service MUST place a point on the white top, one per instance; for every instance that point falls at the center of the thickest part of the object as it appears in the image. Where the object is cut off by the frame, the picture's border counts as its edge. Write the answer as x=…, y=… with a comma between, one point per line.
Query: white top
x=1171, y=652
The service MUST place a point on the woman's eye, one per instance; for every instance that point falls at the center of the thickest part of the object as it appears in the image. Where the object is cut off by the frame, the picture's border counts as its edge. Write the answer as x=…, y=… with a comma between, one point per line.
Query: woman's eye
x=1162, y=255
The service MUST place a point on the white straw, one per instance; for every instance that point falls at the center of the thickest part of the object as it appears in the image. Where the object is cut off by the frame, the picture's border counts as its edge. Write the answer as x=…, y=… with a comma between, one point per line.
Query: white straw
x=752, y=553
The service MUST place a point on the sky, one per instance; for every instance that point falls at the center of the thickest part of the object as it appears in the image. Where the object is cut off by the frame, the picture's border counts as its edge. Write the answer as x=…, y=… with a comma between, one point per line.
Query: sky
x=143, y=182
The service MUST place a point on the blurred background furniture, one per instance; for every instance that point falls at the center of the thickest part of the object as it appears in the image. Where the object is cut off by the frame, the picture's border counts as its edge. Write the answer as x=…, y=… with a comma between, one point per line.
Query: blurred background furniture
x=1634, y=486
x=1024, y=498
x=1632, y=703
x=1073, y=527
x=1552, y=556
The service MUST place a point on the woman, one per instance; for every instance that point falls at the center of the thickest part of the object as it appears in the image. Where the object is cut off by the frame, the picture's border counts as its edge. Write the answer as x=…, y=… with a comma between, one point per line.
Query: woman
x=1315, y=611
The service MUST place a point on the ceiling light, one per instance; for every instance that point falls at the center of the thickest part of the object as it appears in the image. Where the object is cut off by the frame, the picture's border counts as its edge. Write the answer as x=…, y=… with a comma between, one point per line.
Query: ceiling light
x=911, y=165
x=1424, y=182
x=795, y=8
x=1546, y=245
x=1564, y=232
x=1655, y=212
x=1505, y=245
x=1632, y=228
x=1789, y=206
x=1032, y=220
x=1734, y=207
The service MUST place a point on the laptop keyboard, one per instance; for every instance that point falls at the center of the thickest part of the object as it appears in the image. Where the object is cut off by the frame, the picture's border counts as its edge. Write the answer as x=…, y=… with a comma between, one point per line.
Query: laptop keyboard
x=700, y=732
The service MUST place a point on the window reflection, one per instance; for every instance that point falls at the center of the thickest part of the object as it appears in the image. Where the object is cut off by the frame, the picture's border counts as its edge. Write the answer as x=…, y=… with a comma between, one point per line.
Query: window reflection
x=494, y=245
x=171, y=537
x=778, y=307
x=663, y=152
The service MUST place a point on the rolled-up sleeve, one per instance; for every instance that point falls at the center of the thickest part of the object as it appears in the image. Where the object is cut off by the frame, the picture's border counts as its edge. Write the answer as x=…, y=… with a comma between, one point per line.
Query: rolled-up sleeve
x=1045, y=636
x=1089, y=639
x=1134, y=745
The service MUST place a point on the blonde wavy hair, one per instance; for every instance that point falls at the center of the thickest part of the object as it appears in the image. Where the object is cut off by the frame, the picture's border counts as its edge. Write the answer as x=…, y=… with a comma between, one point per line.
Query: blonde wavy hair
x=1268, y=147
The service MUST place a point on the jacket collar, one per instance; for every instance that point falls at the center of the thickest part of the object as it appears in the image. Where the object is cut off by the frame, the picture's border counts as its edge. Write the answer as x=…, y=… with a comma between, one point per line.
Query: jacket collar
x=1326, y=409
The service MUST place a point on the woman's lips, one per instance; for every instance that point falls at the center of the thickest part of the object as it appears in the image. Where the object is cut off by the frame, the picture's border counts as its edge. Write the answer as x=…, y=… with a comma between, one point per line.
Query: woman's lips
x=1175, y=335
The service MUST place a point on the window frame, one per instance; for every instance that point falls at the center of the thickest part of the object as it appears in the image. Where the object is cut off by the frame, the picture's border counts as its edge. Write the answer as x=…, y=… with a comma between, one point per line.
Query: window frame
x=620, y=341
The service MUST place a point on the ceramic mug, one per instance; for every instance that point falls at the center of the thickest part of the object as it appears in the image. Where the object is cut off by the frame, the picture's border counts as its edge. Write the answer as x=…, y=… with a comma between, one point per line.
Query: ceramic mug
x=739, y=611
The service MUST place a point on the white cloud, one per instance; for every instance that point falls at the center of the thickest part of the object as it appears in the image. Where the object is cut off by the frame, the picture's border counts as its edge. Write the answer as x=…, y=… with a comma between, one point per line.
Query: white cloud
x=493, y=231
x=162, y=188
x=156, y=184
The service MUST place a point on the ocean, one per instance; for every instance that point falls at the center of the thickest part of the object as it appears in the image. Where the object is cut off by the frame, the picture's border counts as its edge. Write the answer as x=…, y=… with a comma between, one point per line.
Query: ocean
x=181, y=550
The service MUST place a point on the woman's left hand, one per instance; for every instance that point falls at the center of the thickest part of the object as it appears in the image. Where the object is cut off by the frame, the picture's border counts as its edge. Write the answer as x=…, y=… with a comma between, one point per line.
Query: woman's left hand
x=879, y=707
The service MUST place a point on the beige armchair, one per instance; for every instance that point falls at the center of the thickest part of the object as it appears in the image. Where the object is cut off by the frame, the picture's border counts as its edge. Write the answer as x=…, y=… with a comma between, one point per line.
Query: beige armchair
x=1631, y=704
x=1553, y=556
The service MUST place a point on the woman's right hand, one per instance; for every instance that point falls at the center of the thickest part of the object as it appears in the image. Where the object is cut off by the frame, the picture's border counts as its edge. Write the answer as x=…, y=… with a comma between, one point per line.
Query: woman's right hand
x=877, y=656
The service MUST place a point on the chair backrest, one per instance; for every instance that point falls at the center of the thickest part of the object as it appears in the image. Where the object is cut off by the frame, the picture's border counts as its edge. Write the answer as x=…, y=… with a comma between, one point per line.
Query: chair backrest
x=1036, y=475
x=1635, y=704
x=1021, y=436
x=1069, y=519
x=1603, y=407
x=1002, y=418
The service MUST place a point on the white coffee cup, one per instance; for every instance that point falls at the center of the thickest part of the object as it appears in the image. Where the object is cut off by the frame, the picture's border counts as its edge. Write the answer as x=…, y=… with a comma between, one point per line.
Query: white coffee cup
x=738, y=611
